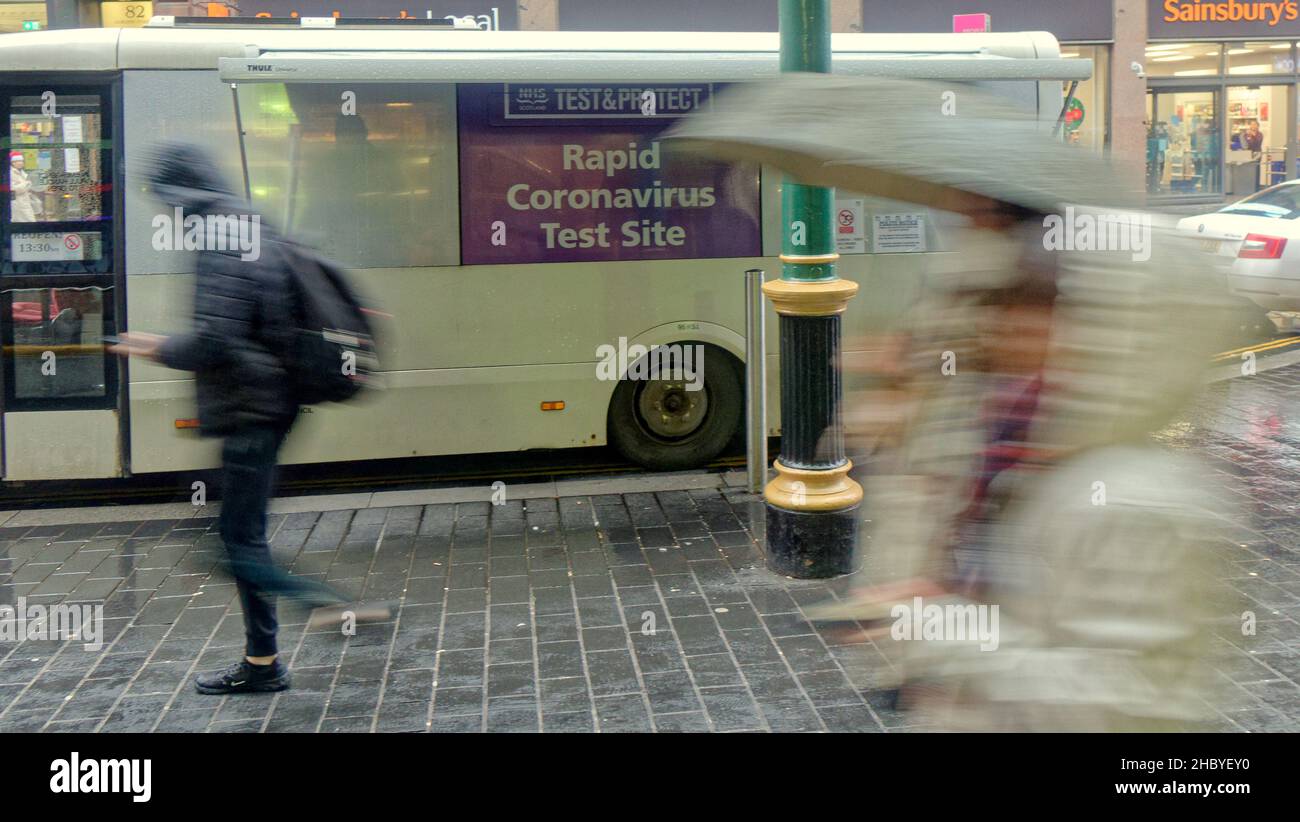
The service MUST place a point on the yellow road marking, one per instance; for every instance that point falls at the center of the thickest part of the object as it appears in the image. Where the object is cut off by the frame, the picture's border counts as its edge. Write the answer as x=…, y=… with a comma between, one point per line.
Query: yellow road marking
x=1257, y=348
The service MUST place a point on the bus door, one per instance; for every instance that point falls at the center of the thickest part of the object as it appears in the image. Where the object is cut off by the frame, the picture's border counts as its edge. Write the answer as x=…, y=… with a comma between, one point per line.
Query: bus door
x=61, y=280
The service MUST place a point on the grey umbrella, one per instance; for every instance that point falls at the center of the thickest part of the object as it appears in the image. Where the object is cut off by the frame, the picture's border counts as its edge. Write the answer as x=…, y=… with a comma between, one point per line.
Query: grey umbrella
x=1136, y=324
x=1132, y=331
x=908, y=140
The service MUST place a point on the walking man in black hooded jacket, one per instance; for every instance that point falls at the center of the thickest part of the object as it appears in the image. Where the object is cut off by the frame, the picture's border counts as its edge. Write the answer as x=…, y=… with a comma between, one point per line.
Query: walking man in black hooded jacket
x=244, y=396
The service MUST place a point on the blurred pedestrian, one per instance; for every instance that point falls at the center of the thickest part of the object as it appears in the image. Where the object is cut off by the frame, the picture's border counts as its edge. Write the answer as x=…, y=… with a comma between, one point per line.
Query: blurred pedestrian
x=1026, y=498
x=236, y=349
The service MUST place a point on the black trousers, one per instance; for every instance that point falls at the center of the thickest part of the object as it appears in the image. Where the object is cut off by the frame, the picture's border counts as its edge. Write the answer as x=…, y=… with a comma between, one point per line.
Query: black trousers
x=248, y=459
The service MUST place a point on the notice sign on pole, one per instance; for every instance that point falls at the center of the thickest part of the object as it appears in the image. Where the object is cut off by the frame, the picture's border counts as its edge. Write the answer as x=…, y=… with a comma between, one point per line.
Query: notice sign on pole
x=850, y=231
x=577, y=172
x=897, y=233
x=962, y=23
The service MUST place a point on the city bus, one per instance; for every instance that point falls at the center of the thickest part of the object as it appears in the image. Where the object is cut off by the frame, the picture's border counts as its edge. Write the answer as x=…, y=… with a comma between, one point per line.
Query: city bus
x=502, y=197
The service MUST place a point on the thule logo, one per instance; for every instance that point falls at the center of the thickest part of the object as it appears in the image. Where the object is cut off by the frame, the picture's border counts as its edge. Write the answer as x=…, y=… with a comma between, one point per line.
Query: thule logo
x=77, y=775
x=252, y=67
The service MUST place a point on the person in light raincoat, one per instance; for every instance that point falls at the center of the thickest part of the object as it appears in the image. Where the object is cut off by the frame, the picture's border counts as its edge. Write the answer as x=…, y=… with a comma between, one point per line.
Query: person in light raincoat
x=1024, y=495
x=1052, y=505
x=1094, y=541
x=25, y=204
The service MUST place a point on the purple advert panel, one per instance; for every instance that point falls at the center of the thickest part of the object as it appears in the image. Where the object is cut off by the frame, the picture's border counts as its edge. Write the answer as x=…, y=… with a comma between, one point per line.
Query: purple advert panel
x=575, y=172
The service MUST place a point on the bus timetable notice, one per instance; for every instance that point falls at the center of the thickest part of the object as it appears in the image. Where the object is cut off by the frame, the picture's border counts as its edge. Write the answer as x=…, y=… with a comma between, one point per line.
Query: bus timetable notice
x=573, y=173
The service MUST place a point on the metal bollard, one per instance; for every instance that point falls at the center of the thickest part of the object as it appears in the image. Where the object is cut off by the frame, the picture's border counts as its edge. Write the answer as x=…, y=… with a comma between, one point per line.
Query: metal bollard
x=755, y=381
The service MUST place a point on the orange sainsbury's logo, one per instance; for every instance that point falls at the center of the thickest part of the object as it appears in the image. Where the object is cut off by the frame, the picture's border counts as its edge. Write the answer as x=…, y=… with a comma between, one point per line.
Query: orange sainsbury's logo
x=1179, y=11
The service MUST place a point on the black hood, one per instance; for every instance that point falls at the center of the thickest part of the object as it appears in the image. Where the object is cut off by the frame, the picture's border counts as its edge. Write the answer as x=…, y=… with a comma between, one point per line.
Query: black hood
x=185, y=175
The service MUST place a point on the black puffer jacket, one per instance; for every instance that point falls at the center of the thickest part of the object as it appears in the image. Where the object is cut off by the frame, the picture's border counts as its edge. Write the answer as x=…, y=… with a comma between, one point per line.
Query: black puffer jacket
x=240, y=320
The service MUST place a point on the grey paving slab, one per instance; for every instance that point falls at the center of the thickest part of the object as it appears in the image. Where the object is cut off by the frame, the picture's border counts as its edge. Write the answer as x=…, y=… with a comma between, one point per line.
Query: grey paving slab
x=321, y=502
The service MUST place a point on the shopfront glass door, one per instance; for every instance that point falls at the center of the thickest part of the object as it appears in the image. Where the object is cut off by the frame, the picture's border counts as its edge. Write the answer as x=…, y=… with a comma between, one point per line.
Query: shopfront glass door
x=1184, y=142
x=1255, y=148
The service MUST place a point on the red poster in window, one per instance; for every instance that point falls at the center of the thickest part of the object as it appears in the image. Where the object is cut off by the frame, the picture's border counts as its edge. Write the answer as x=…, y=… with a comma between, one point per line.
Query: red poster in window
x=1263, y=111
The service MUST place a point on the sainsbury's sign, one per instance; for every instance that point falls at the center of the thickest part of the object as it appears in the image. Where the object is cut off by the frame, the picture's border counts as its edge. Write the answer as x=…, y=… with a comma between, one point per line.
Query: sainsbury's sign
x=1223, y=18
x=1196, y=11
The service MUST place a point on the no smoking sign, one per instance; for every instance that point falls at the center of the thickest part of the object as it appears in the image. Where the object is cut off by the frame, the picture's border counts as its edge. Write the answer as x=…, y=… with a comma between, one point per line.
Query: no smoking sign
x=849, y=236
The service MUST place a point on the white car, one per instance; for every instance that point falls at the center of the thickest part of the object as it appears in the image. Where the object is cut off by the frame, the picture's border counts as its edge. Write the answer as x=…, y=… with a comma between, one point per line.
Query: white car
x=1258, y=241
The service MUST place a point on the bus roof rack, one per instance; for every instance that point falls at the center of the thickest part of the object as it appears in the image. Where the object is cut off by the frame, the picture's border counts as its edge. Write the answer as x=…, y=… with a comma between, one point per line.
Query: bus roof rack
x=169, y=21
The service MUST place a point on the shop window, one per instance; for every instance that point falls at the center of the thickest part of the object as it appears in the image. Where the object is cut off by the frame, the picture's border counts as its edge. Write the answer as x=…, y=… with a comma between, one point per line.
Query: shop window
x=1184, y=143
x=1182, y=59
x=1260, y=58
x=1256, y=144
x=1085, y=122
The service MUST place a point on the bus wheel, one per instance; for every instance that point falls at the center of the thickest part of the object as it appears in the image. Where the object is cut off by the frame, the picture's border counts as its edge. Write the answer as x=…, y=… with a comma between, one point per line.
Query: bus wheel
x=661, y=425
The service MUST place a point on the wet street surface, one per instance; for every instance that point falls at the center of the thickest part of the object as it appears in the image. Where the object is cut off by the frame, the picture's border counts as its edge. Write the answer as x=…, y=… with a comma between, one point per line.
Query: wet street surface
x=631, y=611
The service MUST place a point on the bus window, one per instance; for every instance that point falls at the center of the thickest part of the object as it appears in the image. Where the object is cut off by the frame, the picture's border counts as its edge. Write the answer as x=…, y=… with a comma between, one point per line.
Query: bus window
x=365, y=173
x=56, y=343
x=54, y=159
x=56, y=250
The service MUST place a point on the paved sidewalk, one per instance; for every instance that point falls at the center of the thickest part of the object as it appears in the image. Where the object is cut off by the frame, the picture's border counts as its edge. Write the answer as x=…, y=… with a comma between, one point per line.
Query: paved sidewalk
x=522, y=617
x=529, y=616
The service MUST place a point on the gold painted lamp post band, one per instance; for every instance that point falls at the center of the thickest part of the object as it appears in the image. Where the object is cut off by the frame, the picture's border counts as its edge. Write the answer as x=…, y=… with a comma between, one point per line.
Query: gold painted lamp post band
x=827, y=489
x=822, y=298
x=810, y=259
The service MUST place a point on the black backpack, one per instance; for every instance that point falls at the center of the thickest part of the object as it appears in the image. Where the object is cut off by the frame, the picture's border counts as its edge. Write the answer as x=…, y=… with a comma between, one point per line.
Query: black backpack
x=330, y=347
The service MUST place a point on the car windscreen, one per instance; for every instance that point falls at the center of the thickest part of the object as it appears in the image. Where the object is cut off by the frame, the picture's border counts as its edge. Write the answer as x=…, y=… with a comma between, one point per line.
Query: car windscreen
x=1282, y=202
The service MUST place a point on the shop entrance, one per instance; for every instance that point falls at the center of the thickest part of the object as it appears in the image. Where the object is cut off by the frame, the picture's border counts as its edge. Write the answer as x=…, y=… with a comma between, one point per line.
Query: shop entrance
x=1228, y=141
x=1255, y=151
x=1184, y=142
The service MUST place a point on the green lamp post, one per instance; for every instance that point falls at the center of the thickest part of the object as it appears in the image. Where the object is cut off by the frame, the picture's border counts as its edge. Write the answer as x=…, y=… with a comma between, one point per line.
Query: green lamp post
x=812, y=504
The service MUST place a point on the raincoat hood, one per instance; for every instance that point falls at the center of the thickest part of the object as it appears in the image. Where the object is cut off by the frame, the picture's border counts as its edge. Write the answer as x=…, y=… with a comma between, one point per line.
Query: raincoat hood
x=186, y=175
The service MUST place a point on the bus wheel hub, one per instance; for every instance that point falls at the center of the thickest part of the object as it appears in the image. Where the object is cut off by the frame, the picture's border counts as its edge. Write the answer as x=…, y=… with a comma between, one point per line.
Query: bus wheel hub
x=669, y=410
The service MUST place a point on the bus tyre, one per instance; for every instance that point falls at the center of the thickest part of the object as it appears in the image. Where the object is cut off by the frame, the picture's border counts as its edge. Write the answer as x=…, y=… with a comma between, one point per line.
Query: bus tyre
x=659, y=424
